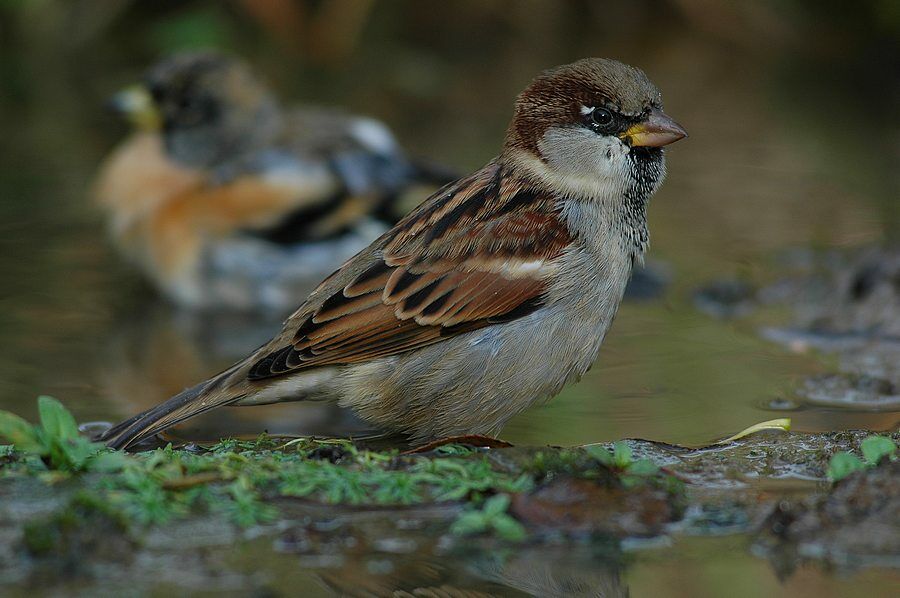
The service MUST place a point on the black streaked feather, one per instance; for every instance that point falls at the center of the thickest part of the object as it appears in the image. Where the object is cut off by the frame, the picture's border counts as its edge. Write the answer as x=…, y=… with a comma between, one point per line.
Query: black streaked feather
x=413, y=301
x=523, y=309
x=436, y=305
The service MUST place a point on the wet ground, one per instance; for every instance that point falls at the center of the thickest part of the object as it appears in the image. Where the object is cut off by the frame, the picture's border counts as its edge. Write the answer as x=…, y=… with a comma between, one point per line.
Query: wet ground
x=759, y=306
x=587, y=527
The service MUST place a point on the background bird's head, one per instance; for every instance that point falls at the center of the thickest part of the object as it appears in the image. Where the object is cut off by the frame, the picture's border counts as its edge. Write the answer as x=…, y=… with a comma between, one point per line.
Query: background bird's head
x=593, y=128
x=210, y=108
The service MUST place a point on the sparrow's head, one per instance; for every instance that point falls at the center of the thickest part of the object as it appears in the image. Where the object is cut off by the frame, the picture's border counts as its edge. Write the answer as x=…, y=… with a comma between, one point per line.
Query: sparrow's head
x=209, y=107
x=594, y=127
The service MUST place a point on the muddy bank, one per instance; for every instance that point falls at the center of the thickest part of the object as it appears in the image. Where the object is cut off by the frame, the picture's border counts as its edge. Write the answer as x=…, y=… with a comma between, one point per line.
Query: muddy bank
x=330, y=504
x=257, y=515
x=856, y=523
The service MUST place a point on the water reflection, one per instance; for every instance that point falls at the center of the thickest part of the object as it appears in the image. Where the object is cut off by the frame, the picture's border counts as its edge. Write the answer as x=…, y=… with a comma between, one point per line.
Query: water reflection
x=534, y=571
x=380, y=561
x=691, y=566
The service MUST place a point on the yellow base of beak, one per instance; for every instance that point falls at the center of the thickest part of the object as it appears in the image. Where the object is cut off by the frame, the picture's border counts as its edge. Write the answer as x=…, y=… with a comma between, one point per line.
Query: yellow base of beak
x=656, y=131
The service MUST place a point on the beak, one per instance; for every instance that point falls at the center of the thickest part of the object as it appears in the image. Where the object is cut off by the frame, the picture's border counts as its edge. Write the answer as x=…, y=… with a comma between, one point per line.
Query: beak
x=137, y=106
x=656, y=131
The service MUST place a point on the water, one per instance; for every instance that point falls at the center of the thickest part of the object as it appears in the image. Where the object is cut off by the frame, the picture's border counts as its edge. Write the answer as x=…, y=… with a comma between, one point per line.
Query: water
x=790, y=146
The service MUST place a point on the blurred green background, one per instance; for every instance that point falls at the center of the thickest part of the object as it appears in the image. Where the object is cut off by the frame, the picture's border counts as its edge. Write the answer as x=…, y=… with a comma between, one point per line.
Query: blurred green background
x=792, y=109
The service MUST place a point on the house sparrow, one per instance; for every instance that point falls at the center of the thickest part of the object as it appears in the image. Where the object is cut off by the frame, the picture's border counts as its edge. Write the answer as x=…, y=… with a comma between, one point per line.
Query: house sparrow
x=227, y=200
x=492, y=294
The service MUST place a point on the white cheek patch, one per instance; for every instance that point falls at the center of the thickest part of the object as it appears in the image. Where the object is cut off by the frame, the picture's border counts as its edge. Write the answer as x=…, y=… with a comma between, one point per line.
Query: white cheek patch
x=585, y=163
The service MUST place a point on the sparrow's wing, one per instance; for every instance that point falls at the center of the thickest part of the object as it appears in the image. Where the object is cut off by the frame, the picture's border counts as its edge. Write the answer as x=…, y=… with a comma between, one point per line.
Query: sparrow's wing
x=477, y=254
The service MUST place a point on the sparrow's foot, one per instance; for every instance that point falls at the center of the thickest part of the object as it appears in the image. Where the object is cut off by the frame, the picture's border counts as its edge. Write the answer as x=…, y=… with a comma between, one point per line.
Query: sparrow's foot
x=476, y=440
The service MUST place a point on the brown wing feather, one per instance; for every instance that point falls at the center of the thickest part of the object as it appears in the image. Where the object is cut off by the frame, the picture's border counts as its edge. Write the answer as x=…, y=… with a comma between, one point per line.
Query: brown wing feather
x=476, y=254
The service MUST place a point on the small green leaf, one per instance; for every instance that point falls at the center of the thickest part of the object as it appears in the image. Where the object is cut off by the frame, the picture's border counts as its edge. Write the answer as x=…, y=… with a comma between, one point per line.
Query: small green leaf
x=56, y=420
x=78, y=451
x=22, y=434
x=496, y=505
x=643, y=467
x=600, y=453
x=508, y=528
x=875, y=448
x=621, y=454
x=109, y=461
x=843, y=464
x=469, y=523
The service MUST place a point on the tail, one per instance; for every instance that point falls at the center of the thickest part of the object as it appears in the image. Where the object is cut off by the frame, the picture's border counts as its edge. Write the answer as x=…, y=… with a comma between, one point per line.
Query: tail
x=208, y=395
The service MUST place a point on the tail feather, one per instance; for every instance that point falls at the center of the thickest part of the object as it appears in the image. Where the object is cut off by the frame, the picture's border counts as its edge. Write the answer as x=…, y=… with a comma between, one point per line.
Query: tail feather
x=193, y=401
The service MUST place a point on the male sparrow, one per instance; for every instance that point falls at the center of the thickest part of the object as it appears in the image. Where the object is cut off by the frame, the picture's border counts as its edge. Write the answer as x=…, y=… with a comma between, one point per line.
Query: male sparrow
x=492, y=294
x=227, y=200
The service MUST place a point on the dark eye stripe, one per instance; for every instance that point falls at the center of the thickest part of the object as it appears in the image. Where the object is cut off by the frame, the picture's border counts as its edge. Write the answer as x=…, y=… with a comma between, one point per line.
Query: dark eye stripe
x=619, y=123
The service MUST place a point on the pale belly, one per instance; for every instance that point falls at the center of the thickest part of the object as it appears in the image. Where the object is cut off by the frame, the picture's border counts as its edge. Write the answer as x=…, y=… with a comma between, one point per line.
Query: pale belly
x=474, y=383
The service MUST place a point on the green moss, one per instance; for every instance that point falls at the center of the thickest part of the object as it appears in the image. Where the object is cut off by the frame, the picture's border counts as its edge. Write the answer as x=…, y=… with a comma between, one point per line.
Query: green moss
x=615, y=467
x=241, y=479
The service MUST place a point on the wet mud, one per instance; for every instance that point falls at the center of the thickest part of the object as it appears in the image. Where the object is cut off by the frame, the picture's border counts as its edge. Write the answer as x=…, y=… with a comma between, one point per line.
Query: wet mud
x=579, y=515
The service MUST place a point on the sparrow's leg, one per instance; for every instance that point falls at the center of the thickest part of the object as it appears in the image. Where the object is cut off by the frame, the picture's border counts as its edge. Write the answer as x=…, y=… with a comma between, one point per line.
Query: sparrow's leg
x=476, y=440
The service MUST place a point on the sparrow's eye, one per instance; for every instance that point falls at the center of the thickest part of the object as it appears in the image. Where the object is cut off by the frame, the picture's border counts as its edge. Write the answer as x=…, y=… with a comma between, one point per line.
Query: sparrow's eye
x=601, y=117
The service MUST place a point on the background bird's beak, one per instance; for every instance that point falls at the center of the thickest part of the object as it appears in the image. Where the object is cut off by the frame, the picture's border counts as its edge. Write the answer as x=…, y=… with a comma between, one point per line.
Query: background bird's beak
x=656, y=131
x=137, y=106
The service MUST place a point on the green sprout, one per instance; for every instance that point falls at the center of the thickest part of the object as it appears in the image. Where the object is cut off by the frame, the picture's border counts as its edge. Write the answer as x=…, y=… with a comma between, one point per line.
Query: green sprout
x=56, y=441
x=491, y=517
x=621, y=459
x=873, y=448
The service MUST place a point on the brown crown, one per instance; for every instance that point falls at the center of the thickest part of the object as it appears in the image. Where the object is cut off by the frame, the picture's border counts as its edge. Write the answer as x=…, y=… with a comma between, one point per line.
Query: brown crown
x=556, y=96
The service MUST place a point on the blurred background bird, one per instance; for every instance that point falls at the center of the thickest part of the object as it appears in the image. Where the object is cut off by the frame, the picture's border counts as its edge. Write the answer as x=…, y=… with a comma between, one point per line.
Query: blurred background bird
x=225, y=199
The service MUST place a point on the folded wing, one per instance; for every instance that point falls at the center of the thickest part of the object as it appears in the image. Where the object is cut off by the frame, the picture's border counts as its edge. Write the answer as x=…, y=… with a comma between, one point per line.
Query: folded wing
x=477, y=254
